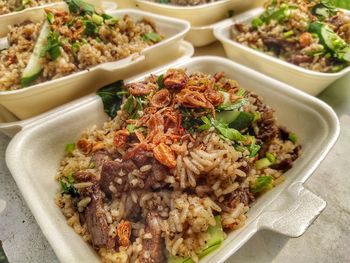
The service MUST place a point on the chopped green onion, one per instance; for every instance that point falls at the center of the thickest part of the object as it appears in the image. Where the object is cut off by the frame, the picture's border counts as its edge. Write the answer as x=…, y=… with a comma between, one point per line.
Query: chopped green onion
x=262, y=163
x=50, y=17
x=293, y=137
x=130, y=128
x=270, y=157
x=288, y=33
x=152, y=36
x=70, y=147
x=262, y=183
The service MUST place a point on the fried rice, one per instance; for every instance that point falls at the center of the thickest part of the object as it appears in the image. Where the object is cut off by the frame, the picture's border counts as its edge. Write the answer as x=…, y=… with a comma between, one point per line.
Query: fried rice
x=311, y=34
x=74, y=41
x=184, y=156
x=9, y=6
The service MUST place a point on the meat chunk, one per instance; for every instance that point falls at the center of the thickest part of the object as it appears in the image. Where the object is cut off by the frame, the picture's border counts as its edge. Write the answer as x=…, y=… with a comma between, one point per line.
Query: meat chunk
x=157, y=175
x=143, y=158
x=153, y=249
x=96, y=221
x=100, y=157
x=299, y=59
x=284, y=165
x=240, y=195
x=115, y=173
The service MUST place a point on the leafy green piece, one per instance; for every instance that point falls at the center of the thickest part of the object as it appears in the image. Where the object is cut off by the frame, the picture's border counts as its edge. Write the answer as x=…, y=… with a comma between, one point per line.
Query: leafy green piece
x=111, y=97
x=293, y=137
x=97, y=19
x=262, y=183
x=232, y=106
x=229, y=133
x=80, y=7
x=324, y=10
x=160, y=81
x=342, y=4
x=206, y=125
x=53, y=45
x=257, y=22
x=67, y=186
x=70, y=147
x=243, y=121
x=262, y=163
x=254, y=149
x=131, y=128
x=90, y=28
x=227, y=116
x=152, y=36
x=50, y=17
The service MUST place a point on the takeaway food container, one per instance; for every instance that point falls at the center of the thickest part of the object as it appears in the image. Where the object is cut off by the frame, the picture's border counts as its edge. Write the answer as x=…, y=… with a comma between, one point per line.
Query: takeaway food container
x=310, y=81
x=34, y=154
x=33, y=100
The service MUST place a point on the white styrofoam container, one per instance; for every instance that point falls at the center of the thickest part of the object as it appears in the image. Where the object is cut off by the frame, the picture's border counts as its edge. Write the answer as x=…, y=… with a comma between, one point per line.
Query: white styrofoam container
x=199, y=15
x=13, y=16
x=10, y=124
x=310, y=81
x=34, y=154
x=201, y=36
x=33, y=100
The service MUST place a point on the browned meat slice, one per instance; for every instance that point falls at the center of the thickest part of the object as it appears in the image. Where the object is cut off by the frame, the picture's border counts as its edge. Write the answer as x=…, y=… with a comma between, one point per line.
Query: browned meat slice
x=240, y=195
x=298, y=59
x=116, y=174
x=267, y=124
x=84, y=176
x=157, y=175
x=284, y=165
x=100, y=157
x=143, y=158
x=276, y=44
x=153, y=248
x=96, y=221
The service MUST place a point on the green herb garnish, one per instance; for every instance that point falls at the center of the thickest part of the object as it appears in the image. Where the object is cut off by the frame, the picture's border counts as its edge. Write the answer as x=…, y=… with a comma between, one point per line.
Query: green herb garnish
x=111, y=97
x=262, y=183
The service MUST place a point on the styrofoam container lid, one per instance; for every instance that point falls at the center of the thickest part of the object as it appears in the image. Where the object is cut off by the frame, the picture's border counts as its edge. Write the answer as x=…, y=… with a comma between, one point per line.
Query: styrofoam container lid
x=198, y=15
x=33, y=100
x=34, y=155
x=310, y=81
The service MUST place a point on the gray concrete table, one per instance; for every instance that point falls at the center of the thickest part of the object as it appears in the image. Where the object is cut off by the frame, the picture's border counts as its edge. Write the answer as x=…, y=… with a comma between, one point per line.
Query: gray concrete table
x=327, y=239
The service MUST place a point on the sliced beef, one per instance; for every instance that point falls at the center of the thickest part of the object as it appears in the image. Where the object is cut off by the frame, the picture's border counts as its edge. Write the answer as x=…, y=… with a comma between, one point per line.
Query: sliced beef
x=287, y=163
x=267, y=124
x=96, y=221
x=99, y=158
x=143, y=158
x=115, y=173
x=299, y=59
x=240, y=195
x=155, y=177
x=284, y=165
x=84, y=176
x=153, y=249
x=276, y=44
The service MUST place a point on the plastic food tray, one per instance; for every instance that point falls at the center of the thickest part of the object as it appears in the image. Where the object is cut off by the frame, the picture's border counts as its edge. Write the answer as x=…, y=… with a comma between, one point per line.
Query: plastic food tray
x=10, y=124
x=310, y=81
x=200, y=15
x=27, y=102
x=33, y=157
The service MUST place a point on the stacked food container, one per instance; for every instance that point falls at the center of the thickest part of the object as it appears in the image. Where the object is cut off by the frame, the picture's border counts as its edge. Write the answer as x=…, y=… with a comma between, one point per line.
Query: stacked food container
x=44, y=113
